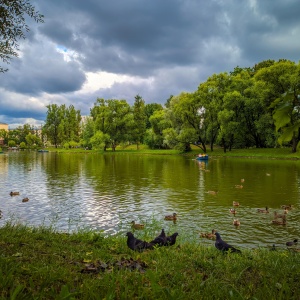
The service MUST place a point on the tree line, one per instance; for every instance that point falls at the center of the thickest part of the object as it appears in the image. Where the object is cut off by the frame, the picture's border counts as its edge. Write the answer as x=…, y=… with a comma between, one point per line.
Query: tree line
x=248, y=107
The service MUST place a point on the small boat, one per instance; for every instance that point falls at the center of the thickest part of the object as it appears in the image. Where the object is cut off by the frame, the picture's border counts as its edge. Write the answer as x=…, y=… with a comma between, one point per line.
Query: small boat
x=43, y=150
x=202, y=157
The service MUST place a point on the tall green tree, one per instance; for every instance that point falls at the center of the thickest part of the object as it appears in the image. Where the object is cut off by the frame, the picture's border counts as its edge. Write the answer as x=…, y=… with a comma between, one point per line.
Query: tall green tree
x=282, y=80
x=13, y=26
x=114, y=118
x=186, y=116
x=52, y=127
x=139, y=117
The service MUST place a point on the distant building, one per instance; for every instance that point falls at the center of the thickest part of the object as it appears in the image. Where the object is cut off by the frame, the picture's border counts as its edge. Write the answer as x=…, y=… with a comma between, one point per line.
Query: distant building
x=5, y=127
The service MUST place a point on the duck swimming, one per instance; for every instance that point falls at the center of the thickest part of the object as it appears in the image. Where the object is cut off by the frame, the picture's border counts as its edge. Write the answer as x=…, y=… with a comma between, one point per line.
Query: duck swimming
x=265, y=211
x=171, y=217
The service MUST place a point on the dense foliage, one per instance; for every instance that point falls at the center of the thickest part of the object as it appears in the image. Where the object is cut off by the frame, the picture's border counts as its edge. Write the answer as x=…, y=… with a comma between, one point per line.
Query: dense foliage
x=248, y=107
x=13, y=26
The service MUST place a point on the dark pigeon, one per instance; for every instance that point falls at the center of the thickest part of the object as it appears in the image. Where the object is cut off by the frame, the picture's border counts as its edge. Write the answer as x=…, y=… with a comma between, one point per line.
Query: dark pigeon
x=136, y=244
x=223, y=246
x=171, y=240
x=160, y=240
x=293, y=243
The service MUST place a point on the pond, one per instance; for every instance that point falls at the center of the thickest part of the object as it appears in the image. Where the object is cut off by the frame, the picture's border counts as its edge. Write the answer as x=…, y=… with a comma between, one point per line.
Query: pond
x=107, y=192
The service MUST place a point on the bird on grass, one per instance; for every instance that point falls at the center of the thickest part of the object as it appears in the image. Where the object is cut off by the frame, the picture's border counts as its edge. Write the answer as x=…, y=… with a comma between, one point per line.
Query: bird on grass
x=171, y=217
x=160, y=240
x=293, y=243
x=171, y=240
x=137, y=226
x=223, y=246
x=264, y=211
x=136, y=244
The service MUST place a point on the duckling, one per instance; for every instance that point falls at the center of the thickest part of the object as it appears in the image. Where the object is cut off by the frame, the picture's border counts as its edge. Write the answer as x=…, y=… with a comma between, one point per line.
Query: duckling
x=209, y=235
x=239, y=186
x=25, y=199
x=280, y=222
x=236, y=222
x=235, y=203
x=264, y=211
x=14, y=193
x=171, y=217
x=137, y=226
x=242, y=180
x=232, y=211
x=293, y=243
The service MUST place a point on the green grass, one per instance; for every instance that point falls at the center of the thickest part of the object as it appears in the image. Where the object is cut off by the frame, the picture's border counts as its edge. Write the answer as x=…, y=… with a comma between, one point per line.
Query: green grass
x=280, y=153
x=39, y=263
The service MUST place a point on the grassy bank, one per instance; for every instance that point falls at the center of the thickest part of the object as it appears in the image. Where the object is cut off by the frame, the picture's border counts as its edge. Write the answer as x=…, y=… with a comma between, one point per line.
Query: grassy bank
x=269, y=153
x=38, y=263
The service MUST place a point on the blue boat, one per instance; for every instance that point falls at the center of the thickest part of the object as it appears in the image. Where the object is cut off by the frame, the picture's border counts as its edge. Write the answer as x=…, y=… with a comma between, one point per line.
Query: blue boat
x=202, y=157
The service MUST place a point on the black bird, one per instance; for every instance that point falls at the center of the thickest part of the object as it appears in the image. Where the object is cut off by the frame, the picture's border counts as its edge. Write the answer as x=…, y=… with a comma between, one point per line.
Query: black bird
x=160, y=240
x=136, y=244
x=171, y=240
x=223, y=246
x=293, y=243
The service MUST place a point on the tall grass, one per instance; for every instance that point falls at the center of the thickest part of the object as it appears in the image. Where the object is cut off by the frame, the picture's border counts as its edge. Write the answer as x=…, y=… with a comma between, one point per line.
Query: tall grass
x=40, y=263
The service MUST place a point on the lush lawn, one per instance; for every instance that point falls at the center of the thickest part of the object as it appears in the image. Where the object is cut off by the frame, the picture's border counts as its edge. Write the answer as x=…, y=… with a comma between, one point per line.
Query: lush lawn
x=38, y=263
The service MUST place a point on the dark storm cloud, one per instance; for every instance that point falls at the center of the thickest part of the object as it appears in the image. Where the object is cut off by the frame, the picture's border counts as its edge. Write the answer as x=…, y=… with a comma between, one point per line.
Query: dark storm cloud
x=167, y=47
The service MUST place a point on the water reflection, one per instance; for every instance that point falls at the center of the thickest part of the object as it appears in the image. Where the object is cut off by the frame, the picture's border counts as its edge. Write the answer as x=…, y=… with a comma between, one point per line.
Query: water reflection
x=107, y=192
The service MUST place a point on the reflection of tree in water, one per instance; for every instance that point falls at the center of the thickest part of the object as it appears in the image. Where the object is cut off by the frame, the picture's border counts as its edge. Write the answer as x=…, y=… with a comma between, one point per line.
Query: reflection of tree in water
x=62, y=172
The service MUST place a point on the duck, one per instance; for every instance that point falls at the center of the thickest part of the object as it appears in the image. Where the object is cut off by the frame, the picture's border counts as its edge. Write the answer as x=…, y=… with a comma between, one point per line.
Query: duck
x=209, y=235
x=235, y=203
x=280, y=222
x=277, y=215
x=137, y=226
x=25, y=199
x=236, y=222
x=171, y=217
x=239, y=186
x=232, y=211
x=242, y=180
x=14, y=193
x=286, y=206
x=212, y=192
x=293, y=243
x=265, y=211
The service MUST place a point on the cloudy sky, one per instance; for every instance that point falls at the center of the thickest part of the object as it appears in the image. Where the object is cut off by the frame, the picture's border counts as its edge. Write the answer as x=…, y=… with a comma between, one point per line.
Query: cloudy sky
x=117, y=49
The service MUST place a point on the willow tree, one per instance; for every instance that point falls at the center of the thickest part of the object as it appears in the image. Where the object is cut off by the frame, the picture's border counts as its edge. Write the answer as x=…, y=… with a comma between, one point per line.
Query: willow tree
x=283, y=82
x=186, y=116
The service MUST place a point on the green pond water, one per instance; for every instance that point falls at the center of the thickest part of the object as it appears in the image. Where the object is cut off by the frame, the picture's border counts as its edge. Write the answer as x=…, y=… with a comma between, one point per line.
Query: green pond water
x=107, y=192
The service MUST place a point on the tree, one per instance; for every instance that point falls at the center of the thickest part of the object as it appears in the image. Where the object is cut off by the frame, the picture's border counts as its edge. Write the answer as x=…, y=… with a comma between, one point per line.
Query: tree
x=113, y=117
x=139, y=117
x=150, y=108
x=13, y=26
x=186, y=115
x=283, y=82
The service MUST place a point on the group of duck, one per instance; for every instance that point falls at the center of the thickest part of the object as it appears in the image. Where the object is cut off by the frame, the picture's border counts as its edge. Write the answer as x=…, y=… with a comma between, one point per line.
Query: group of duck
x=13, y=193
